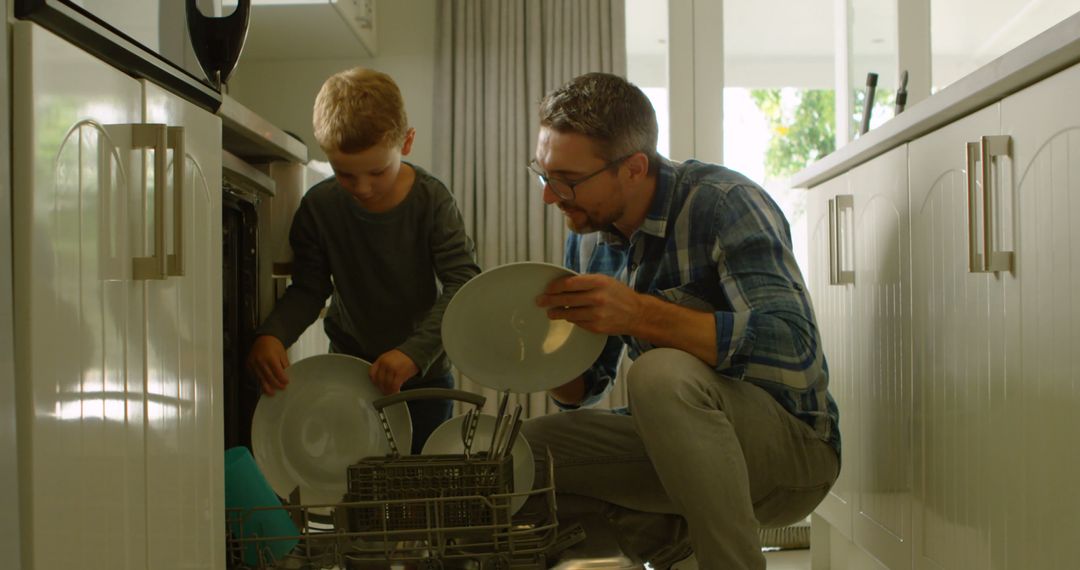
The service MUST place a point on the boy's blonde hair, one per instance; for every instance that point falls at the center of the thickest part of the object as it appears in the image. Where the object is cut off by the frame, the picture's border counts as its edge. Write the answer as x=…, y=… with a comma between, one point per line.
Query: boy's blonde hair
x=357, y=109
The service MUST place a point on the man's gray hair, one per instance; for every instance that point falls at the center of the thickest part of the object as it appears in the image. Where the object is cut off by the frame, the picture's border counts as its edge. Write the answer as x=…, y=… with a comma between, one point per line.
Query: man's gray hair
x=608, y=109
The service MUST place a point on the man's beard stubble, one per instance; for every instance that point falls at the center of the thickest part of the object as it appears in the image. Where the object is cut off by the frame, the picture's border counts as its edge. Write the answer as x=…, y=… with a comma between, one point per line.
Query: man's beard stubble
x=592, y=224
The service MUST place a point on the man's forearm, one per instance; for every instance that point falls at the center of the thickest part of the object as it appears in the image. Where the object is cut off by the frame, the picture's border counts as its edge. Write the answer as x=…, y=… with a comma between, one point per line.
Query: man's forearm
x=665, y=324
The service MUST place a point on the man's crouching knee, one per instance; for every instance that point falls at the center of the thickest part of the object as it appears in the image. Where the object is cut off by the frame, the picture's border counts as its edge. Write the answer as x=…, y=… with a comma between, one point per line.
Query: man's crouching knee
x=659, y=375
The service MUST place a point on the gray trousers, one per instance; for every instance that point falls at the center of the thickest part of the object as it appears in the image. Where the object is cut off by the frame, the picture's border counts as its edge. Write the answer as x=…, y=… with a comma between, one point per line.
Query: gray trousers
x=703, y=461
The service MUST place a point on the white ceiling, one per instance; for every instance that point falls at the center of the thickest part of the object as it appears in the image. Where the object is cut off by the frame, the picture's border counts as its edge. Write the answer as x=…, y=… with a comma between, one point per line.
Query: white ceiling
x=757, y=28
x=303, y=29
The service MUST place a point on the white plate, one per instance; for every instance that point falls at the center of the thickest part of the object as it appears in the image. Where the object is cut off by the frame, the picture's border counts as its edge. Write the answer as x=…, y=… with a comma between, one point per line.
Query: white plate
x=446, y=439
x=308, y=434
x=497, y=336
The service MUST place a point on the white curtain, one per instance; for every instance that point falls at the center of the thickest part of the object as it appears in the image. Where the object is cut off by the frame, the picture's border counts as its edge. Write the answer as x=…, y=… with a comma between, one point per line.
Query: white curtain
x=498, y=58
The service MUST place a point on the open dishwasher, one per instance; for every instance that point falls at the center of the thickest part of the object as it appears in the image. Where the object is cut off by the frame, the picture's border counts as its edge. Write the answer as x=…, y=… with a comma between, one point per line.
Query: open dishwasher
x=445, y=511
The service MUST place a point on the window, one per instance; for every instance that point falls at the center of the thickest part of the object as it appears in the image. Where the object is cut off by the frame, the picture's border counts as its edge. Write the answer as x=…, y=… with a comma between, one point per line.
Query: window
x=647, y=59
x=779, y=105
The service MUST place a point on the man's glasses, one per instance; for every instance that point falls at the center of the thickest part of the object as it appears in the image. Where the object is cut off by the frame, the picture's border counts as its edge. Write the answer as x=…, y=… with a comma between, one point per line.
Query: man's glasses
x=564, y=189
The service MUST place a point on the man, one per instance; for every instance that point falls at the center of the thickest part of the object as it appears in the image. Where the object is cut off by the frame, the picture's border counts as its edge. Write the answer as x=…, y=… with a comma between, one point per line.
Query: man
x=730, y=425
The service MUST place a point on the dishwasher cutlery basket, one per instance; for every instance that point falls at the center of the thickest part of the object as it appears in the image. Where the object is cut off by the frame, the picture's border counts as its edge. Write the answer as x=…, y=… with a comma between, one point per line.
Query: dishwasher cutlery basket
x=471, y=493
x=427, y=512
x=472, y=489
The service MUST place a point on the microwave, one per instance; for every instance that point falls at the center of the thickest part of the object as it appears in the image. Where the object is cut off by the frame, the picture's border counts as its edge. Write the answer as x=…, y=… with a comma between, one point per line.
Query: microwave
x=145, y=38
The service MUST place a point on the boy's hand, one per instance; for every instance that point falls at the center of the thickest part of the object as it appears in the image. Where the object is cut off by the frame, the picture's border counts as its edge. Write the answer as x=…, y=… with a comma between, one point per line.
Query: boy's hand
x=391, y=370
x=268, y=361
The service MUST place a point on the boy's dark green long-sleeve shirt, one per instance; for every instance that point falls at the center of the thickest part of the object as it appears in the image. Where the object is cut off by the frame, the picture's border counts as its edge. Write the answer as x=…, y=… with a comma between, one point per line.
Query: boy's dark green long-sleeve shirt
x=383, y=270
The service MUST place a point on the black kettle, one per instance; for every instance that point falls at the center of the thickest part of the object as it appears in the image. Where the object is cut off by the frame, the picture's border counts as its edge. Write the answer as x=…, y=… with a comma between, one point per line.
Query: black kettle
x=217, y=42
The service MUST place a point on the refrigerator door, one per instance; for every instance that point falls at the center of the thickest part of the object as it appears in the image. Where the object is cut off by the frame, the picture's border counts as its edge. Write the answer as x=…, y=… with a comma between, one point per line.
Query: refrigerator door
x=79, y=387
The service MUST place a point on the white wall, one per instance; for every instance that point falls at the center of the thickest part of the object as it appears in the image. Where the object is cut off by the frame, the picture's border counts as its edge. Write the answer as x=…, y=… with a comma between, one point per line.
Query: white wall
x=283, y=91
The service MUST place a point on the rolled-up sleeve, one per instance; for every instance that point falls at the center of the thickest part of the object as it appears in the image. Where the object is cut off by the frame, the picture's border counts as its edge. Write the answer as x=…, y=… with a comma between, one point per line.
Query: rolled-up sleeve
x=769, y=333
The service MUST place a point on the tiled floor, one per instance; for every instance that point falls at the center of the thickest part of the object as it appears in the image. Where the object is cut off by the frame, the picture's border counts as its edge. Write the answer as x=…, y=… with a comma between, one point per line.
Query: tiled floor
x=603, y=552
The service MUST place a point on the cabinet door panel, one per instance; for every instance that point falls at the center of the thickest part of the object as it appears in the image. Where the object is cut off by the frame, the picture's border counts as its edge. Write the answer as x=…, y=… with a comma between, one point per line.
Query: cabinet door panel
x=882, y=523
x=833, y=307
x=80, y=422
x=185, y=430
x=1044, y=122
x=958, y=360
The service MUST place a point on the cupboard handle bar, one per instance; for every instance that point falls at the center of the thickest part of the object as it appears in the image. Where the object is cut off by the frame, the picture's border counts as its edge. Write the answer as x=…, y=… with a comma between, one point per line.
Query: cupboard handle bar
x=175, y=143
x=844, y=247
x=990, y=147
x=834, y=277
x=153, y=136
x=975, y=260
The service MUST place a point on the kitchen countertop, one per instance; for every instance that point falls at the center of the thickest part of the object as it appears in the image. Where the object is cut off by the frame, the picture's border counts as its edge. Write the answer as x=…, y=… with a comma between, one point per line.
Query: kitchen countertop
x=253, y=138
x=1042, y=56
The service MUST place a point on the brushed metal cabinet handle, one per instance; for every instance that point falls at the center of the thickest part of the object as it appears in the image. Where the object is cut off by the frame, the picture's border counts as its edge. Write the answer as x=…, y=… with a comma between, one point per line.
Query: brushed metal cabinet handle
x=153, y=136
x=991, y=147
x=834, y=277
x=175, y=143
x=975, y=259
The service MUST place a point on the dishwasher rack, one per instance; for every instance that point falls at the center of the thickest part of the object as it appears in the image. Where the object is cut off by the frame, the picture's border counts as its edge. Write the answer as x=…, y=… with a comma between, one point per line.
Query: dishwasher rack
x=448, y=538
x=425, y=512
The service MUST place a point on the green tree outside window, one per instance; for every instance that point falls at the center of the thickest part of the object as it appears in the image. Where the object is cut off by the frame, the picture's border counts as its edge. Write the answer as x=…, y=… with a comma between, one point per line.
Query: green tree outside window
x=803, y=127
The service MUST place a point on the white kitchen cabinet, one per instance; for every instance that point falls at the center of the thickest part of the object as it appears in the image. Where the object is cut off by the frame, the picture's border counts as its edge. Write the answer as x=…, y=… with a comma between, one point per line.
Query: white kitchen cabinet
x=80, y=423
x=882, y=359
x=184, y=430
x=964, y=458
x=860, y=283
x=1038, y=423
x=834, y=305
x=118, y=347
x=997, y=396
x=959, y=357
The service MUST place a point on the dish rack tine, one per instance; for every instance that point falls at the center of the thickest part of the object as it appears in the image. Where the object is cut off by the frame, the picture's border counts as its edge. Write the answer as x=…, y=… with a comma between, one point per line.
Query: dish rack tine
x=496, y=432
x=422, y=394
x=467, y=433
x=474, y=420
x=512, y=429
x=389, y=432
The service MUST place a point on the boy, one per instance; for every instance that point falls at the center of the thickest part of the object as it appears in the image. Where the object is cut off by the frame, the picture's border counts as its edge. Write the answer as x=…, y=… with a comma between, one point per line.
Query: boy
x=379, y=238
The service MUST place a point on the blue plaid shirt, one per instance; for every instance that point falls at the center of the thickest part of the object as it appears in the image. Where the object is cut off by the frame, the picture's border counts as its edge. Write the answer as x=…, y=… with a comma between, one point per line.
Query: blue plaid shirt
x=713, y=240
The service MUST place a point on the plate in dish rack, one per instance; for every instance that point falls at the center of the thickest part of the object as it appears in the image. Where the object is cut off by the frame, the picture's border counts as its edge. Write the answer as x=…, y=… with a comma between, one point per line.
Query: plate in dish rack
x=446, y=439
x=307, y=435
